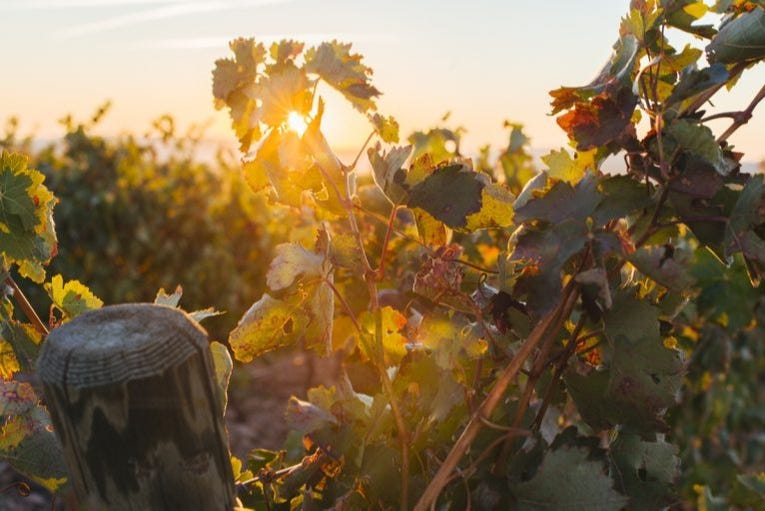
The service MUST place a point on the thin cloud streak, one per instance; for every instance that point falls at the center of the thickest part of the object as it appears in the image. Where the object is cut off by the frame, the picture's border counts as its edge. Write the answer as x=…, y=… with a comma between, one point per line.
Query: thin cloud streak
x=172, y=10
x=30, y=5
x=205, y=43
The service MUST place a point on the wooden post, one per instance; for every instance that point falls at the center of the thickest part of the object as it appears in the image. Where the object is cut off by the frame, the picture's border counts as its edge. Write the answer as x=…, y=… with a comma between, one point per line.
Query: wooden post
x=133, y=398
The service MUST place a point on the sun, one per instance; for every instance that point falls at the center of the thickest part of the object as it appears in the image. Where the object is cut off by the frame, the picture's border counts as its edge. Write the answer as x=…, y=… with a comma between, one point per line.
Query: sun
x=296, y=123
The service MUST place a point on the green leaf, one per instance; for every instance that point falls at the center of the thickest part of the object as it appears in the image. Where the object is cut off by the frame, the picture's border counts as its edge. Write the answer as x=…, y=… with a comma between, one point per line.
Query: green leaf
x=621, y=196
x=694, y=81
x=27, y=235
x=740, y=40
x=666, y=265
x=748, y=213
x=343, y=70
x=568, y=479
x=28, y=444
x=683, y=14
x=450, y=194
x=543, y=254
x=644, y=374
x=388, y=171
x=386, y=128
x=16, y=398
x=647, y=471
x=563, y=202
x=698, y=140
x=269, y=324
x=292, y=261
x=25, y=341
x=73, y=298
x=223, y=367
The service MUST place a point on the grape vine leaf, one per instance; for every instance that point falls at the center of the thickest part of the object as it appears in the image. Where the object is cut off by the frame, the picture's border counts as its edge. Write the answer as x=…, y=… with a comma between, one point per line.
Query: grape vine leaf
x=388, y=323
x=170, y=300
x=343, y=70
x=562, y=166
x=285, y=50
x=451, y=193
x=303, y=315
x=647, y=471
x=27, y=232
x=232, y=79
x=282, y=92
x=386, y=128
x=16, y=398
x=462, y=198
x=290, y=263
x=600, y=121
x=617, y=71
x=568, y=479
x=697, y=140
x=644, y=374
x=25, y=341
x=8, y=363
x=666, y=265
x=563, y=202
x=28, y=444
x=386, y=167
x=748, y=213
x=223, y=366
x=544, y=252
x=683, y=14
x=694, y=81
x=73, y=298
x=741, y=39
x=306, y=417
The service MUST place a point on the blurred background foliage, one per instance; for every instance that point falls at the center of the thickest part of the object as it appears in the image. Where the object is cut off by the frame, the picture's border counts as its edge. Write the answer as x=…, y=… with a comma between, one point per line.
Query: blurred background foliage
x=139, y=213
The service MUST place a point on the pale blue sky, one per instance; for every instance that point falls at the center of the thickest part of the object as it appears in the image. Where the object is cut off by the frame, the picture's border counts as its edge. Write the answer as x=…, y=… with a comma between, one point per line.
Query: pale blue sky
x=484, y=60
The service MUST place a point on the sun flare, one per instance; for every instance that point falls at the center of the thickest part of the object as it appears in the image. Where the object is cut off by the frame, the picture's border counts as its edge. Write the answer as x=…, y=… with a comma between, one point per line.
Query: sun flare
x=296, y=123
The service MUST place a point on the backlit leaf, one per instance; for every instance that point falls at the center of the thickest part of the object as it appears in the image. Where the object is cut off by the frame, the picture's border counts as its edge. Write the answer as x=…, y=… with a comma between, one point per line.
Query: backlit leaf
x=343, y=70
x=223, y=367
x=562, y=166
x=386, y=128
x=28, y=238
x=450, y=194
x=73, y=298
x=601, y=120
x=291, y=262
x=386, y=167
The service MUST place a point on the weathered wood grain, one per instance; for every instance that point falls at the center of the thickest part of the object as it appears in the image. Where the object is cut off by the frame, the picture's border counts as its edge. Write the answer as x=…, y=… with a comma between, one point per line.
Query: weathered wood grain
x=132, y=395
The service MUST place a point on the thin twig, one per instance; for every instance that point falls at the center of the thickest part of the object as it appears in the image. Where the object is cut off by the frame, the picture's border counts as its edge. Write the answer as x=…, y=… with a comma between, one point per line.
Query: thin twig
x=25, y=306
x=361, y=151
x=743, y=116
x=573, y=341
x=546, y=327
x=388, y=231
x=345, y=305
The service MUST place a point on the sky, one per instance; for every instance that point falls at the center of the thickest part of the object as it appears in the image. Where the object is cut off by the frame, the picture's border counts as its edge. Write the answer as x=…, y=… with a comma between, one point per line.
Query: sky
x=485, y=61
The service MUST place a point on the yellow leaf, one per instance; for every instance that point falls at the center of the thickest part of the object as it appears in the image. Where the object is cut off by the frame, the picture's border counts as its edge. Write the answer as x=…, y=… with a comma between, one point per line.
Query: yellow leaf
x=696, y=9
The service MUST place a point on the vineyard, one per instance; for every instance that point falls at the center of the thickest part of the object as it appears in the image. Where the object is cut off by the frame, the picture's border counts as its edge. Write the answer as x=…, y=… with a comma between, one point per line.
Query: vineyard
x=478, y=331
